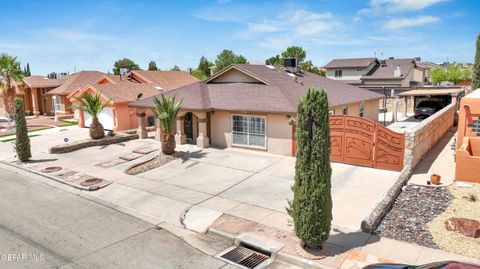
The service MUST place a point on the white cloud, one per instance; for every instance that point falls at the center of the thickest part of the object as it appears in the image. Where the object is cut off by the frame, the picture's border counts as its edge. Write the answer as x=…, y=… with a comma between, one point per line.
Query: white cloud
x=377, y=6
x=263, y=27
x=397, y=23
x=287, y=26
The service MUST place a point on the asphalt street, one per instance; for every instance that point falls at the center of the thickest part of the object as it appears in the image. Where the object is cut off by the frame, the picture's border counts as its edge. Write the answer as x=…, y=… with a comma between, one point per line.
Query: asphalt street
x=45, y=227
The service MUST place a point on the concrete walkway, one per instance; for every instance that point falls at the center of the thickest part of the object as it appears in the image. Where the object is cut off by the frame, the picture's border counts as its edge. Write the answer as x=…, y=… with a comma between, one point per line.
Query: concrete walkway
x=439, y=160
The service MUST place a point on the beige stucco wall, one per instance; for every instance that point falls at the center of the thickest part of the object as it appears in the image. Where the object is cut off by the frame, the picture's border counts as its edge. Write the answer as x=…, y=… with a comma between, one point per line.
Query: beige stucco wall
x=349, y=73
x=371, y=109
x=279, y=132
x=418, y=75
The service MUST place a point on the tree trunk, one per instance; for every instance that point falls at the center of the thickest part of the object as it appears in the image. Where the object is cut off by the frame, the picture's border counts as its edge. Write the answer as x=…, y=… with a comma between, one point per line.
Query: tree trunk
x=96, y=129
x=168, y=143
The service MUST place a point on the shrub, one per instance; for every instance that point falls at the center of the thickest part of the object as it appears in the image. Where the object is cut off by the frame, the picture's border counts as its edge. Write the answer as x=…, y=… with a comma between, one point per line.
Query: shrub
x=311, y=208
x=22, y=143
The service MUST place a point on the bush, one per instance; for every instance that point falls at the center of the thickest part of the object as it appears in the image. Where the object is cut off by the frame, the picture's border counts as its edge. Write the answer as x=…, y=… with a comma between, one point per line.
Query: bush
x=311, y=208
x=22, y=143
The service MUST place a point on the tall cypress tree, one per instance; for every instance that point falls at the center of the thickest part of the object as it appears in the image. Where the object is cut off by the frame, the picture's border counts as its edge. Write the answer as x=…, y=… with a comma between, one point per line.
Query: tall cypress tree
x=476, y=66
x=28, y=74
x=22, y=143
x=311, y=208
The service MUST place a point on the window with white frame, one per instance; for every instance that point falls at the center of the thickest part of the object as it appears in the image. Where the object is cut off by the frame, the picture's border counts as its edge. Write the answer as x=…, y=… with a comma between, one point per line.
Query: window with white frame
x=345, y=110
x=57, y=104
x=338, y=73
x=361, y=111
x=248, y=131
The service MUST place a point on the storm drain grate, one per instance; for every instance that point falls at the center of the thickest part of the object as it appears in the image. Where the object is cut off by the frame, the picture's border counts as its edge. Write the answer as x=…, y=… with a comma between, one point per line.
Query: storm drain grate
x=245, y=257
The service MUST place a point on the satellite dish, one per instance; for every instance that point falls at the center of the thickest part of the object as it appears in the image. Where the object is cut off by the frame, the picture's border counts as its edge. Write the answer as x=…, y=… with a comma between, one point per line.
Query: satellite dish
x=139, y=96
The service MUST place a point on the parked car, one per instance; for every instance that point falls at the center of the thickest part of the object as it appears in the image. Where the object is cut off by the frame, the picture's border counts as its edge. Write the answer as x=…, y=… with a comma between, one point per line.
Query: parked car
x=426, y=109
x=435, y=265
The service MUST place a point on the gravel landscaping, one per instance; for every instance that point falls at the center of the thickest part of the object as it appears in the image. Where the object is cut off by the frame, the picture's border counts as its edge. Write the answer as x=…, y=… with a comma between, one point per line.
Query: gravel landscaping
x=156, y=162
x=414, y=208
x=465, y=205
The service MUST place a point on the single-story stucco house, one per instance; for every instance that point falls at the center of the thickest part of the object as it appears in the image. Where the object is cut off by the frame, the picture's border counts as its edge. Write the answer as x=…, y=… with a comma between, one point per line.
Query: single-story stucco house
x=249, y=106
x=119, y=91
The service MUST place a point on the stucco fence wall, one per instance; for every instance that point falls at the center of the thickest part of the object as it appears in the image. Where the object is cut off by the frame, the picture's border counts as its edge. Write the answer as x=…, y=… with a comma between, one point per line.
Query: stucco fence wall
x=418, y=141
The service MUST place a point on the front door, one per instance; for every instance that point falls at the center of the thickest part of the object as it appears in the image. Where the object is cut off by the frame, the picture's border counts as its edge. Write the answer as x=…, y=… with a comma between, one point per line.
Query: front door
x=44, y=106
x=188, y=126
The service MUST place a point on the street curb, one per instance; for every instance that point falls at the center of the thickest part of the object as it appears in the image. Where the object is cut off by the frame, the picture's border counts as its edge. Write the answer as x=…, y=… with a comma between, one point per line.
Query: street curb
x=224, y=236
x=279, y=256
x=50, y=177
x=301, y=262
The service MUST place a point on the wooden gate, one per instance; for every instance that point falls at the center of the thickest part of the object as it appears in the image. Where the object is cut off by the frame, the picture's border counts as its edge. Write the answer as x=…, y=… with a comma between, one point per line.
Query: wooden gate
x=359, y=141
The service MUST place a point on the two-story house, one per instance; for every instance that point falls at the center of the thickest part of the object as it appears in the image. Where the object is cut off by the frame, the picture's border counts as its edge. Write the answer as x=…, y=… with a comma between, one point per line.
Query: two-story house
x=351, y=70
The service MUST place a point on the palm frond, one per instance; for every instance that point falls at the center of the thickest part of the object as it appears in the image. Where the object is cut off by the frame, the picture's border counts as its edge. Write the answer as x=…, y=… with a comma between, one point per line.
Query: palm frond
x=166, y=110
x=92, y=104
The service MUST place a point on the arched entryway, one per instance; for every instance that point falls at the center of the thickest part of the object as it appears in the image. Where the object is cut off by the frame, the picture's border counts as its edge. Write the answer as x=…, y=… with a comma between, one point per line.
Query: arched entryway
x=188, y=123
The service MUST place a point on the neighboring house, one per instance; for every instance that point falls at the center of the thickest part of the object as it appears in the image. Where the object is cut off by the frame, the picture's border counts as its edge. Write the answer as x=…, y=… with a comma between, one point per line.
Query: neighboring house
x=395, y=73
x=371, y=72
x=381, y=76
x=351, y=70
x=73, y=82
x=250, y=106
x=428, y=67
x=34, y=91
x=119, y=91
x=163, y=80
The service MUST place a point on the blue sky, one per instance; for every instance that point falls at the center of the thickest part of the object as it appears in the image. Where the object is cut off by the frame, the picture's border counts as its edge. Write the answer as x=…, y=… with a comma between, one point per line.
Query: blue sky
x=91, y=35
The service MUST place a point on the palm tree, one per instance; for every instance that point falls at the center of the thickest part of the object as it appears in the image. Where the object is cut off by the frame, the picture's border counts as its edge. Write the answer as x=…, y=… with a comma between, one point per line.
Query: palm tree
x=10, y=71
x=92, y=105
x=166, y=110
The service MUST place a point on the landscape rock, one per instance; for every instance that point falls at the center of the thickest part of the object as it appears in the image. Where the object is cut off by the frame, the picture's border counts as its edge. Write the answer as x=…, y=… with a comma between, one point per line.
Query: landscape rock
x=414, y=208
x=467, y=227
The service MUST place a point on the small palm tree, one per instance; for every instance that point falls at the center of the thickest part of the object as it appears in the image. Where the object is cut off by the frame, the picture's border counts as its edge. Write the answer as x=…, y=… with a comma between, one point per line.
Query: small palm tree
x=10, y=71
x=166, y=110
x=92, y=105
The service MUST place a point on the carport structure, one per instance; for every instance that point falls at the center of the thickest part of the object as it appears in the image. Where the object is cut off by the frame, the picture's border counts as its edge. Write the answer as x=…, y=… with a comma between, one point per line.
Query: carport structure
x=444, y=96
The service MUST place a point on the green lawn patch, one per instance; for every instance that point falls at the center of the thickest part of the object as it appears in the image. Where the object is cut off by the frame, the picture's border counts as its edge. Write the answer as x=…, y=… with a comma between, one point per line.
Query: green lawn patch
x=68, y=122
x=40, y=129
x=14, y=138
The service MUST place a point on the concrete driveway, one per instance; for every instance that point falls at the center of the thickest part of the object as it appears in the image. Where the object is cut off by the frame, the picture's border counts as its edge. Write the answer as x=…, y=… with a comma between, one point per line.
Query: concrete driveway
x=257, y=186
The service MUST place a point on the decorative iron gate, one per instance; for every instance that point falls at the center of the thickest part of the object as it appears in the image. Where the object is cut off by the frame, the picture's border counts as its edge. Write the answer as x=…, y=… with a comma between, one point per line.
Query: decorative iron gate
x=359, y=141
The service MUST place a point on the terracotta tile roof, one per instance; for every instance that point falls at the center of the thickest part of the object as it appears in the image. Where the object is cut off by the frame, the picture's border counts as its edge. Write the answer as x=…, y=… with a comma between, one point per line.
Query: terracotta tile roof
x=167, y=80
x=350, y=63
x=42, y=82
x=77, y=81
x=386, y=71
x=280, y=95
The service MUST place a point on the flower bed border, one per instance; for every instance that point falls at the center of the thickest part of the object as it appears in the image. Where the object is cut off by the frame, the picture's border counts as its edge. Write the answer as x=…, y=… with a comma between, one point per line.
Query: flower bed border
x=86, y=143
